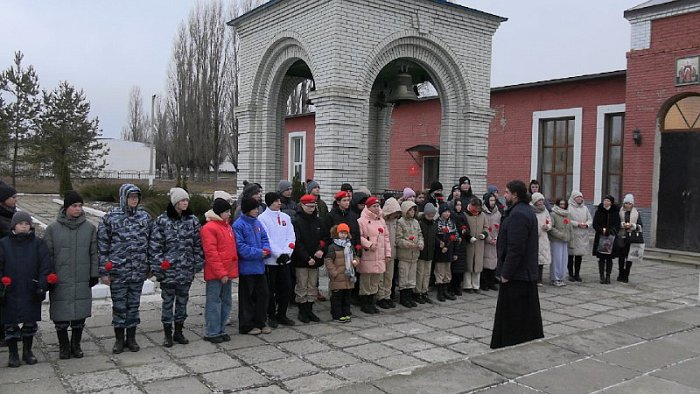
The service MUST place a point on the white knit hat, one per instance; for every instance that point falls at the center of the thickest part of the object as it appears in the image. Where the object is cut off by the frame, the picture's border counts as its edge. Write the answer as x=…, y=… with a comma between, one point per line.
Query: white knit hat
x=222, y=195
x=628, y=198
x=178, y=194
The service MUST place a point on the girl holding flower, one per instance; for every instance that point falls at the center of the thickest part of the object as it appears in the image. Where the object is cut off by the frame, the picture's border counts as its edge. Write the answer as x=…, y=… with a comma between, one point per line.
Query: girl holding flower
x=559, y=238
x=493, y=219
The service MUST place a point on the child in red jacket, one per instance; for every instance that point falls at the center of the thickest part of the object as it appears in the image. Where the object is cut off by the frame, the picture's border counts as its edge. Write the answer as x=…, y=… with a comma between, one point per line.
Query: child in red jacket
x=220, y=267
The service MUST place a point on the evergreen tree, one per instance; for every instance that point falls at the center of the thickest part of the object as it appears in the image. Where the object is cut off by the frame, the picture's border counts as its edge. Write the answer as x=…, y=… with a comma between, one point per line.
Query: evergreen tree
x=20, y=111
x=66, y=139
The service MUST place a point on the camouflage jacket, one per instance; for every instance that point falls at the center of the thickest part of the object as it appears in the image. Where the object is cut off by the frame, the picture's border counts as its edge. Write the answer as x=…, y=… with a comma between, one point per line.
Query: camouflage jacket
x=175, y=239
x=122, y=240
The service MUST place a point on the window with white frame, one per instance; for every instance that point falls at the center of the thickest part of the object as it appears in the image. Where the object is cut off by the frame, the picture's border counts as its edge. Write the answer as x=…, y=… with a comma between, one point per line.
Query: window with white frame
x=297, y=155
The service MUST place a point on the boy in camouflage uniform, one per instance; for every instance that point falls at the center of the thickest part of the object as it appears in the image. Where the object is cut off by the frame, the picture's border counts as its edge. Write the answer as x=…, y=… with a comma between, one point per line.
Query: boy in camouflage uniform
x=122, y=244
x=175, y=256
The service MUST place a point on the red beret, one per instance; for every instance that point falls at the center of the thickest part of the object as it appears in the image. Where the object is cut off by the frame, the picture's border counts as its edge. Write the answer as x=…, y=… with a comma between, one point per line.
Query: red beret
x=371, y=201
x=341, y=194
x=307, y=199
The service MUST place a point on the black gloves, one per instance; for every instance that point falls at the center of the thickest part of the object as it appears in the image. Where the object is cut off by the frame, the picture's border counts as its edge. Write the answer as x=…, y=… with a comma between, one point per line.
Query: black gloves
x=283, y=259
x=39, y=295
x=94, y=281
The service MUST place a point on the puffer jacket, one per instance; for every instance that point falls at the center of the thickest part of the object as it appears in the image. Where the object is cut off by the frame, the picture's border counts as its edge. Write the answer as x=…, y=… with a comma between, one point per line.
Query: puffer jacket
x=251, y=240
x=375, y=241
x=409, y=238
x=335, y=266
x=391, y=206
x=24, y=258
x=219, y=246
x=72, y=244
x=175, y=238
x=428, y=229
x=122, y=240
x=493, y=219
x=579, y=213
x=307, y=228
x=544, y=224
x=561, y=225
x=5, y=220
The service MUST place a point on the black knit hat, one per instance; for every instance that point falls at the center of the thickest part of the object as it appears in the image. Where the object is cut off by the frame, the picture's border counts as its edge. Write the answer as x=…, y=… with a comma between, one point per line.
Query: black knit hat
x=248, y=204
x=465, y=179
x=20, y=216
x=6, y=191
x=435, y=185
x=346, y=187
x=71, y=198
x=220, y=206
x=271, y=197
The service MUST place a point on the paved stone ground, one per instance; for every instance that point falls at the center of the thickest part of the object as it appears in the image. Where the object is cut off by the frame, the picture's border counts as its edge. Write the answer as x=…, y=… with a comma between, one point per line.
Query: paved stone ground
x=640, y=337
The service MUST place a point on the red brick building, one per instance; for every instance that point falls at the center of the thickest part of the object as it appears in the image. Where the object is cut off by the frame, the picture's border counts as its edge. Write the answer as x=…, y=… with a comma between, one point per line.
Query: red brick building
x=630, y=131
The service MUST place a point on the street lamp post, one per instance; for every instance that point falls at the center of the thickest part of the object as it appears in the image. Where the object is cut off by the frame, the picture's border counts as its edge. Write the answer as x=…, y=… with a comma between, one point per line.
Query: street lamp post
x=151, y=173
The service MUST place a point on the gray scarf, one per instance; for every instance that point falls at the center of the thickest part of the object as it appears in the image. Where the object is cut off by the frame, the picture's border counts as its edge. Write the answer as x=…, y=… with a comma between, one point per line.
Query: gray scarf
x=347, y=251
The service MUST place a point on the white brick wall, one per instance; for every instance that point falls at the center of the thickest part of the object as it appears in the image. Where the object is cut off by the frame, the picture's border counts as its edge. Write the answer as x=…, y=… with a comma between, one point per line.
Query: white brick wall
x=346, y=43
x=640, y=23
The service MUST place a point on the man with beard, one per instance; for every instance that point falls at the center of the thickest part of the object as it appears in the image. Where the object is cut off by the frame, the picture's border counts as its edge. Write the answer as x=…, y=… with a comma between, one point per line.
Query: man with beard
x=518, y=317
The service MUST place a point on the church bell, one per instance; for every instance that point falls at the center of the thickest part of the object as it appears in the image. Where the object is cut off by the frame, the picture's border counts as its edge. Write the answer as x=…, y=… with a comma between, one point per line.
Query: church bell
x=402, y=89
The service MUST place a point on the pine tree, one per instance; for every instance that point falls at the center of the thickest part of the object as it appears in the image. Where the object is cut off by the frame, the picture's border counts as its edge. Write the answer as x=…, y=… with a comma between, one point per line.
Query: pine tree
x=20, y=112
x=67, y=140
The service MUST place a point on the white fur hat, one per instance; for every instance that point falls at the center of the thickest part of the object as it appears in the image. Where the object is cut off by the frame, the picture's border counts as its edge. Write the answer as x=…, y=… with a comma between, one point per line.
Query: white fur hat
x=178, y=194
x=628, y=198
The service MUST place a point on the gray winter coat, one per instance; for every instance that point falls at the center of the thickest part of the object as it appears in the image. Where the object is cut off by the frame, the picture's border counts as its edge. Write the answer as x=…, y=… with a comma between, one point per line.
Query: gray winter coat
x=72, y=246
x=122, y=240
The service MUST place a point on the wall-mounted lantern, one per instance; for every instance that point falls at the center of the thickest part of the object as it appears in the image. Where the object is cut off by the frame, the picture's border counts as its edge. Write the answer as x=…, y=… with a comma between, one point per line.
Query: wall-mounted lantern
x=637, y=137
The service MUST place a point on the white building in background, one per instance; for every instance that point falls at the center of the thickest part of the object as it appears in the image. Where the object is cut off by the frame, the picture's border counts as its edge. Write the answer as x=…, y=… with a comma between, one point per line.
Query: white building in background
x=127, y=159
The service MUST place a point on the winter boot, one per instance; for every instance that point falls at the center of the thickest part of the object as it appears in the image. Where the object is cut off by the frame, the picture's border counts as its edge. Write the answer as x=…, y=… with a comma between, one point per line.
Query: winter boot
x=607, y=278
x=440, y=292
x=426, y=298
x=492, y=280
x=2, y=335
x=457, y=289
x=27, y=354
x=13, y=360
x=310, y=312
x=178, y=336
x=418, y=297
x=570, y=269
x=403, y=299
x=601, y=271
x=628, y=267
x=540, y=268
x=303, y=314
x=119, y=341
x=76, y=337
x=391, y=303
x=577, y=271
x=448, y=292
x=167, y=335
x=364, y=304
x=63, y=344
x=131, y=339
x=372, y=304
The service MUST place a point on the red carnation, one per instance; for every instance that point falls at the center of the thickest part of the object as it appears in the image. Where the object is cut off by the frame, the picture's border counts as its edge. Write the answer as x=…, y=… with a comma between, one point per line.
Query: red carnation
x=546, y=221
x=322, y=244
x=381, y=230
x=411, y=238
x=453, y=237
x=108, y=266
x=496, y=225
x=358, y=247
x=464, y=228
x=266, y=251
x=165, y=265
x=490, y=229
x=567, y=221
x=445, y=230
x=6, y=281
x=52, y=278
x=291, y=245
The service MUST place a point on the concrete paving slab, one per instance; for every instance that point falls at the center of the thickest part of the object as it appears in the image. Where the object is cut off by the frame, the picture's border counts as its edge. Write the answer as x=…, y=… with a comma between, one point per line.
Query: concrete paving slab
x=650, y=327
x=372, y=351
x=272, y=389
x=96, y=381
x=689, y=340
x=260, y=354
x=361, y=372
x=509, y=388
x=52, y=385
x=286, y=368
x=188, y=385
x=409, y=344
x=594, y=341
x=313, y=383
x=523, y=359
x=685, y=373
x=24, y=373
x=647, y=356
x=364, y=388
x=160, y=371
x=400, y=363
x=210, y=362
x=452, y=378
x=687, y=315
x=438, y=355
x=584, y=376
x=380, y=333
x=648, y=384
x=85, y=364
x=331, y=359
x=142, y=357
x=304, y=346
x=235, y=379
x=344, y=340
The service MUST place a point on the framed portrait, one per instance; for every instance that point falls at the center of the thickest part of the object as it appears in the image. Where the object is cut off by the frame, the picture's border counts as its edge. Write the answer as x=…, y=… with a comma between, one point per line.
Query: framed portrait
x=687, y=70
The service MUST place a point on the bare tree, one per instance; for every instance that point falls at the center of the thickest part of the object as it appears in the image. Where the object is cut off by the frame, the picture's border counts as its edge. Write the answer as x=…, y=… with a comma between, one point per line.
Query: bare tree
x=137, y=124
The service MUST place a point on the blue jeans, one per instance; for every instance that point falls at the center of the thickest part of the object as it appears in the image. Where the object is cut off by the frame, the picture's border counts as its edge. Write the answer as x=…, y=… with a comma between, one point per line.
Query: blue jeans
x=218, y=308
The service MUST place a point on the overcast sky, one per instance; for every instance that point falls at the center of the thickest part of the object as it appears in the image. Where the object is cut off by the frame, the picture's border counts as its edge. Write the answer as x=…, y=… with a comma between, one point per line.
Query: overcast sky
x=106, y=47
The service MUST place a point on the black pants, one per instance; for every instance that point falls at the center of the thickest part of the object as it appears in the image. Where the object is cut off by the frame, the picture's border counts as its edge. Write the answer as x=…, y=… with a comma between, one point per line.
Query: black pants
x=574, y=265
x=279, y=282
x=253, y=298
x=340, y=303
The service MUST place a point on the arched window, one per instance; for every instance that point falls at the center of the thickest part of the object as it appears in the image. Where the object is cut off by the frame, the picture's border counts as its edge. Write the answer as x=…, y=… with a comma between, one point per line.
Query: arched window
x=683, y=115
